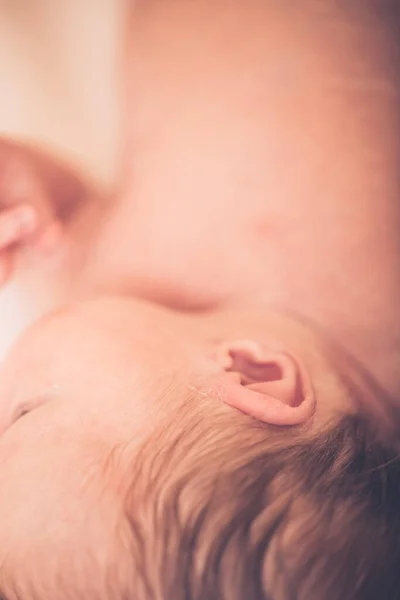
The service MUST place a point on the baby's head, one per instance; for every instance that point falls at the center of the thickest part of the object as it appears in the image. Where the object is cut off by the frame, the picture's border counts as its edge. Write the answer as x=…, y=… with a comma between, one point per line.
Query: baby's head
x=145, y=454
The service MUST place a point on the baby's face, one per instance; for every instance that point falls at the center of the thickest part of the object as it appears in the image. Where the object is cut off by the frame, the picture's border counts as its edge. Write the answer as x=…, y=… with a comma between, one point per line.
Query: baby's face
x=91, y=380
x=82, y=392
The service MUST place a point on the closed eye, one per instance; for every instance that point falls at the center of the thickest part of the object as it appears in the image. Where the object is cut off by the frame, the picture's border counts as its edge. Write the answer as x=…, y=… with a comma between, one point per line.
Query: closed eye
x=25, y=408
x=21, y=413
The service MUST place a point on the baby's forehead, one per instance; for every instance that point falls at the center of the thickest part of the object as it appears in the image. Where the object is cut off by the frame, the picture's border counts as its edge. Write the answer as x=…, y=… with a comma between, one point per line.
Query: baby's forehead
x=62, y=534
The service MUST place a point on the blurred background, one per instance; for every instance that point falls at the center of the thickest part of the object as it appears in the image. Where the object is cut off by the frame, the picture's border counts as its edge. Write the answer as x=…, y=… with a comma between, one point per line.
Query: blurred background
x=60, y=87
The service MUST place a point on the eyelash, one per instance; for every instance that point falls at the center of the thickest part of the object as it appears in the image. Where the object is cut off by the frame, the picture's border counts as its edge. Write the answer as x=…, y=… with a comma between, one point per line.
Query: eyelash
x=21, y=412
x=26, y=408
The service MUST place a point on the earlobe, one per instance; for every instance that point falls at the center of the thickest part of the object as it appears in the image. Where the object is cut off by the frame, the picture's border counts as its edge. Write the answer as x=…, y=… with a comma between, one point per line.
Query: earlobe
x=269, y=385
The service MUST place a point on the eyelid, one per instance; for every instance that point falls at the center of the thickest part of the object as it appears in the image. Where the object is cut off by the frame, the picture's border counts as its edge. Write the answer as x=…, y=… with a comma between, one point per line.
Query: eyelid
x=25, y=408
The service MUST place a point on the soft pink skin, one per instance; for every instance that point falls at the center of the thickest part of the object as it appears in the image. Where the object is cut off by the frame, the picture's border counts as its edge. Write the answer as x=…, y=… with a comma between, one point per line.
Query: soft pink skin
x=248, y=189
x=262, y=164
x=96, y=380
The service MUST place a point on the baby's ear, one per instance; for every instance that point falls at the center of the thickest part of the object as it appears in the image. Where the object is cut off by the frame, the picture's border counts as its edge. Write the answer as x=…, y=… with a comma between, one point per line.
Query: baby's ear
x=265, y=383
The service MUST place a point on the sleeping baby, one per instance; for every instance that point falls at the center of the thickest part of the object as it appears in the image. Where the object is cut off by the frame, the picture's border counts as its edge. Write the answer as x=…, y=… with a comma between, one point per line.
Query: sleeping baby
x=205, y=407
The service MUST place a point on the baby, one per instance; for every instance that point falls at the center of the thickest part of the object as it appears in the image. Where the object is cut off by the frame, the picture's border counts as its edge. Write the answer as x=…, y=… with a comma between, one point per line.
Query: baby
x=245, y=445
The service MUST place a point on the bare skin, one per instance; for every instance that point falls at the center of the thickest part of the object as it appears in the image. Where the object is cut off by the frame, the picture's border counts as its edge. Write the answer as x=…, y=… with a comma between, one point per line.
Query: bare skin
x=269, y=170
x=243, y=190
x=261, y=167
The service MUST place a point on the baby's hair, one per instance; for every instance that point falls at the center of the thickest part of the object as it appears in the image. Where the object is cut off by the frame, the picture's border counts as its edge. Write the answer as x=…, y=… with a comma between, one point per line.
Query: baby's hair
x=310, y=519
x=222, y=507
